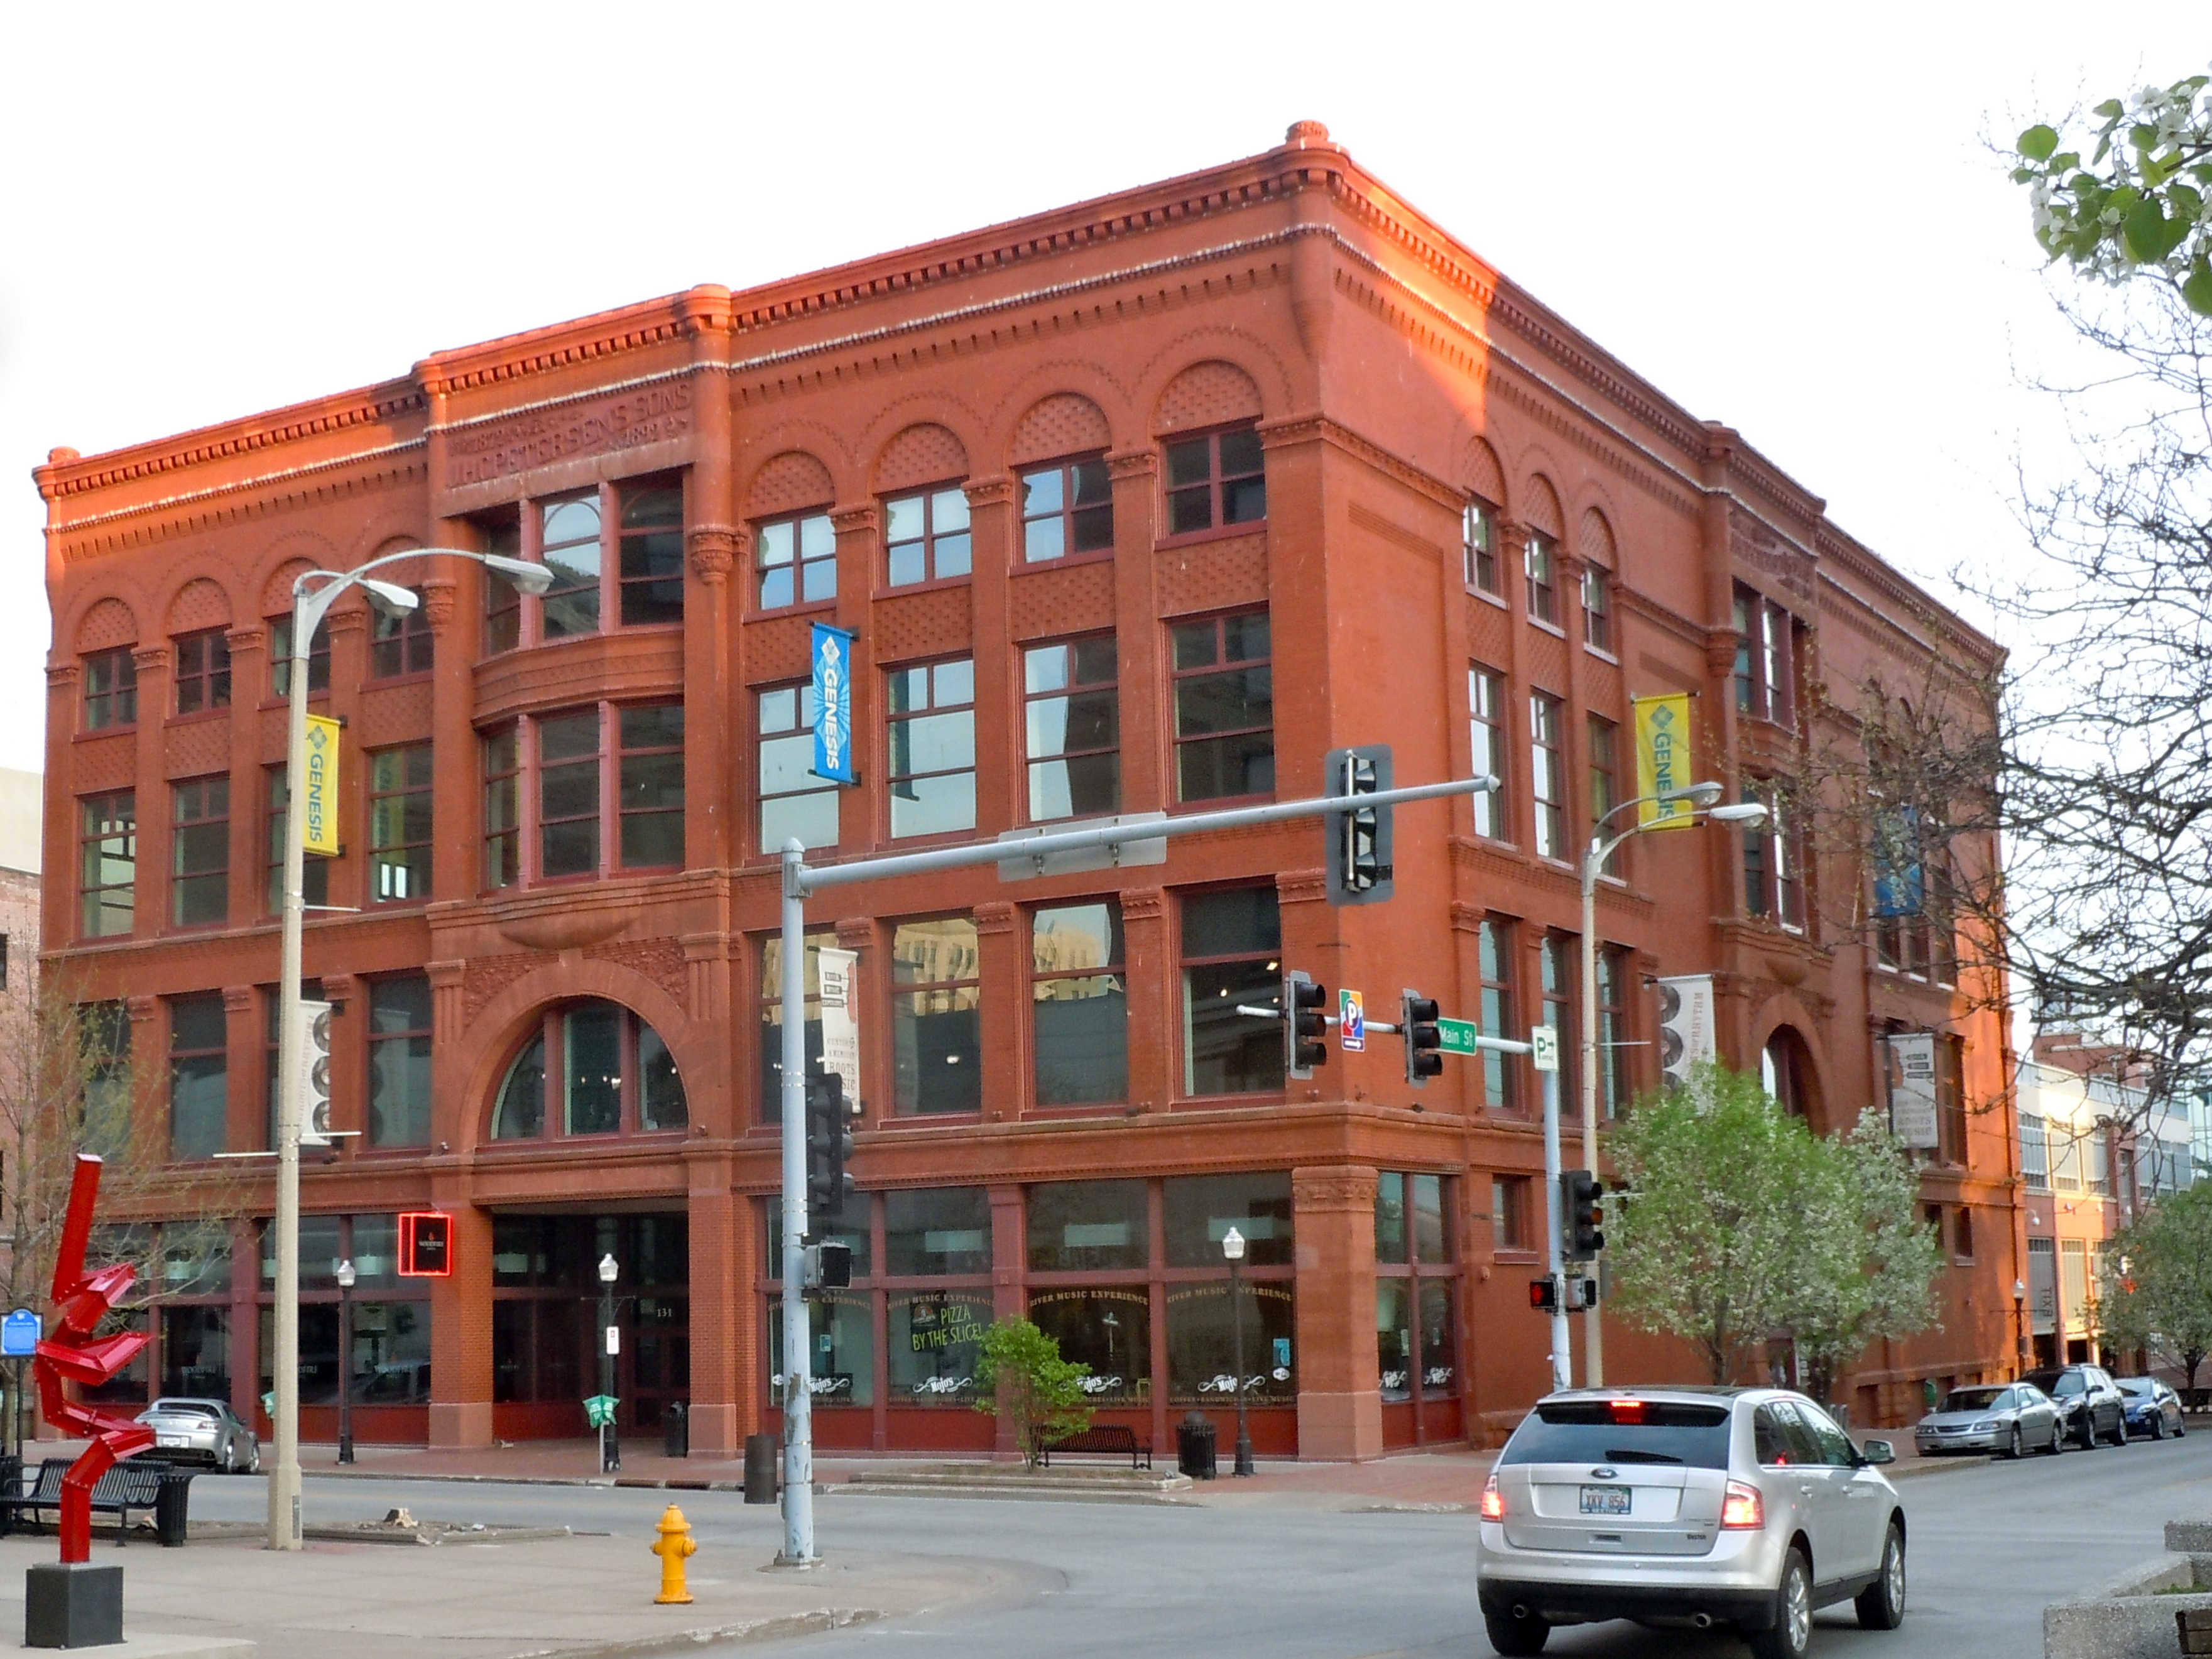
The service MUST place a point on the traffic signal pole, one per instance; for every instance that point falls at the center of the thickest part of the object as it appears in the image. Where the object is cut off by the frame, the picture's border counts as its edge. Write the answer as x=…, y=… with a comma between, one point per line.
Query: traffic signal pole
x=1562, y=1367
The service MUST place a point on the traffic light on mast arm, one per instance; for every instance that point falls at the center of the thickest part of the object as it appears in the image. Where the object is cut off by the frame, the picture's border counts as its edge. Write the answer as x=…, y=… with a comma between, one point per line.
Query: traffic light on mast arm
x=1417, y=1024
x=829, y=1144
x=1579, y=1192
x=1305, y=1028
x=1359, y=866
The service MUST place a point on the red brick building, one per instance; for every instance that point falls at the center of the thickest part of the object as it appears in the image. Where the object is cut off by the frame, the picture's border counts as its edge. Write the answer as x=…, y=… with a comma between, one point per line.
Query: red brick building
x=1139, y=505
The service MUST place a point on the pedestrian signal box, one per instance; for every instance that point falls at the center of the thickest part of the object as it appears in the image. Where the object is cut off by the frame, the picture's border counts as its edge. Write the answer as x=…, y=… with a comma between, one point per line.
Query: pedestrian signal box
x=426, y=1244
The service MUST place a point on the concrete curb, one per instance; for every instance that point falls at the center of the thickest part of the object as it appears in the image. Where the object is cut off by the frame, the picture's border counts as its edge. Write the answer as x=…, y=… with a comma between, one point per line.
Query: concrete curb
x=1927, y=1466
x=758, y=1630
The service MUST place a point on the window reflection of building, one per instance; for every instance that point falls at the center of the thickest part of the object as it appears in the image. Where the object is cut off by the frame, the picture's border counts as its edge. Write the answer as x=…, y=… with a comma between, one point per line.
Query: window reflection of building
x=771, y=1017
x=1416, y=1288
x=1079, y=1004
x=937, y=1047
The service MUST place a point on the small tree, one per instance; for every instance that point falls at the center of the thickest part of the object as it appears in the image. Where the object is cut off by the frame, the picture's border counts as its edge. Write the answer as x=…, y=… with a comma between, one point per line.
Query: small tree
x=1019, y=1376
x=2162, y=1300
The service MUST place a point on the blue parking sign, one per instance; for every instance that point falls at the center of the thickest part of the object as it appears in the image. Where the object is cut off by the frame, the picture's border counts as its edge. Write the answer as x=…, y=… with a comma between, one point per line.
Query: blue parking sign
x=18, y=1334
x=832, y=704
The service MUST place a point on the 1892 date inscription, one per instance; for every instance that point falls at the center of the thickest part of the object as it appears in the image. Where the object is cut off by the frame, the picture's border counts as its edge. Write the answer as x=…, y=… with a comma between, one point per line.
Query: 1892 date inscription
x=650, y=414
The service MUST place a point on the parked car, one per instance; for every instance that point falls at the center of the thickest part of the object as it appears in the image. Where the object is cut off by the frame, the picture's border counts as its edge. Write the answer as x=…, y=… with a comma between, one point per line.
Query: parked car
x=202, y=1432
x=2011, y=1417
x=2151, y=1407
x=1696, y=1506
x=2090, y=1403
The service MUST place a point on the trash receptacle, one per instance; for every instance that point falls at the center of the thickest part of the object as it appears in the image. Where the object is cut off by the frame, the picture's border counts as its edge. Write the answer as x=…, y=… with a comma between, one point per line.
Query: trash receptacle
x=760, y=1468
x=676, y=1427
x=171, y=1501
x=1195, y=1440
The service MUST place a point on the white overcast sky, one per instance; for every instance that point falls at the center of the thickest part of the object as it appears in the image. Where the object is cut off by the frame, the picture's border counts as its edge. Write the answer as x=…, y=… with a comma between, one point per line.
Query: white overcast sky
x=1783, y=216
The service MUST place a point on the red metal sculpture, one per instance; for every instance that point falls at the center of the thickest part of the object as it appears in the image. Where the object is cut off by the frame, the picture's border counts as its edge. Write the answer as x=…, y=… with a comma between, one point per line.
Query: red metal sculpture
x=74, y=1354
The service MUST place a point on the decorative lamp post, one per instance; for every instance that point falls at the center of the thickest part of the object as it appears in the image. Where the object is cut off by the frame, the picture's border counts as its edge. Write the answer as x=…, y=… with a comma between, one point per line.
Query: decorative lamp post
x=610, y=1434
x=345, y=1361
x=1703, y=799
x=1232, y=1246
x=313, y=593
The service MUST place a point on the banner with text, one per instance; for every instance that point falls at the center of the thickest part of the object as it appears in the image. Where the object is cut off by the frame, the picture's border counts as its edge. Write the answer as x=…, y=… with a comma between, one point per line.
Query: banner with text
x=840, y=1031
x=832, y=704
x=1663, y=759
x=319, y=799
x=1912, y=1088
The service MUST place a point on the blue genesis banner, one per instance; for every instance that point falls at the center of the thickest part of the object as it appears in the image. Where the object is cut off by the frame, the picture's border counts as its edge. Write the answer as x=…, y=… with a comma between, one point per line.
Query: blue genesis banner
x=832, y=704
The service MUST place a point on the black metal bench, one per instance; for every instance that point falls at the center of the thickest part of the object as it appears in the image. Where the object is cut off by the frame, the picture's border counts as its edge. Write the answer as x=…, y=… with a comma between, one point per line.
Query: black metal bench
x=129, y=1485
x=1101, y=1440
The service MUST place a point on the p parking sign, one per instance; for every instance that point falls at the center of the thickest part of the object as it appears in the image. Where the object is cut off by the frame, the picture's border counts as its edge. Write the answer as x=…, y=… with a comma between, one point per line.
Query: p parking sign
x=1544, y=1043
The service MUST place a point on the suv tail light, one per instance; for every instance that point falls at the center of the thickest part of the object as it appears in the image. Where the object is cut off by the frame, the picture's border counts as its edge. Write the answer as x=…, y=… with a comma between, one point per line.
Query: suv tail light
x=1493, y=1501
x=1743, y=1510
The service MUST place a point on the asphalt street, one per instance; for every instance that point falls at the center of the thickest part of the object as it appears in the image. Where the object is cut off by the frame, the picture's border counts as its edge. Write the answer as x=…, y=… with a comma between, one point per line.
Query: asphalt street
x=1990, y=1546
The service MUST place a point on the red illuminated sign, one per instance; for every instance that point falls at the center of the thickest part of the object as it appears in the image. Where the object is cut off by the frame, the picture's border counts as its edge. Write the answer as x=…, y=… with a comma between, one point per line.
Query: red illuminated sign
x=426, y=1244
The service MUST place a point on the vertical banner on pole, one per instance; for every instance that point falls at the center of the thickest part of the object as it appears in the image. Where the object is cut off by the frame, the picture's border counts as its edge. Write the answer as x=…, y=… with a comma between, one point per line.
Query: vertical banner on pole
x=318, y=794
x=1912, y=1116
x=832, y=704
x=840, y=1031
x=1663, y=759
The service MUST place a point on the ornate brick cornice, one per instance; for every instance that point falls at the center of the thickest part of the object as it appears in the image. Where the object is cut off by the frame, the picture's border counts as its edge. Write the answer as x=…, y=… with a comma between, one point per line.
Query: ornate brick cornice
x=1336, y=1188
x=856, y=932
x=714, y=549
x=856, y=520
x=1143, y=904
x=1133, y=463
x=150, y=658
x=63, y=673
x=238, y=998
x=351, y=620
x=996, y=916
x=242, y=640
x=989, y=492
x=442, y=974
x=1301, y=886
x=438, y=595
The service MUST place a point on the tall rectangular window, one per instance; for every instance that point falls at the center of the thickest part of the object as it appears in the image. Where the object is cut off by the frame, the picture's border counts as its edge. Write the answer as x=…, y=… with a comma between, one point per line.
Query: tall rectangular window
x=200, y=1084
x=1556, y=955
x=110, y=690
x=568, y=546
x=1951, y=1104
x=1066, y=509
x=280, y=657
x=937, y=995
x=1232, y=948
x=797, y=559
x=314, y=871
x=399, y=824
x=502, y=598
x=202, y=673
x=1215, y=478
x=1765, y=668
x=402, y=645
x=502, y=806
x=771, y=1023
x=794, y=801
x=1604, y=781
x=1611, y=1030
x=1079, y=1004
x=1072, y=728
x=2034, y=1153
x=932, y=748
x=400, y=1062
x=1512, y=1213
x=1772, y=886
x=199, y=884
x=926, y=537
x=651, y=558
x=103, y=1043
x=1597, y=607
x=1478, y=544
x=1486, y=701
x=568, y=794
x=651, y=799
x=1494, y=949
x=108, y=880
x=1548, y=776
x=1540, y=564
x=1225, y=697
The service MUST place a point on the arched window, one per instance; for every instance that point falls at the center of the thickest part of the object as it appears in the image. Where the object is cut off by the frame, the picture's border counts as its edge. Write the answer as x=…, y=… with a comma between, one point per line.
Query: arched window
x=1785, y=1072
x=609, y=1073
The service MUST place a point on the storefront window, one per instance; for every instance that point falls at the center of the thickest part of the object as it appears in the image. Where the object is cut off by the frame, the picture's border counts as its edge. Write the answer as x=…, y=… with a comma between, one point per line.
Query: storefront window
x=843, y=1360
x=1390, y=1217
x=1428, y=1192
x=934, y=1335
x=936, y=1231
x=850, y=1229
x=196, y=1353
x=391, y=1354
x=1201, y=1209
x=1110, y=1330
x=1084, y=1225
x=1439, y=1369
x=1393, y=1338
x=1201, y=1346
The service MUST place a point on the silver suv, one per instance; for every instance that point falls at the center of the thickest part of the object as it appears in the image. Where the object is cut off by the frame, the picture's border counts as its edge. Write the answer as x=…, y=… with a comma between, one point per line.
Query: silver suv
x=1686, y=1506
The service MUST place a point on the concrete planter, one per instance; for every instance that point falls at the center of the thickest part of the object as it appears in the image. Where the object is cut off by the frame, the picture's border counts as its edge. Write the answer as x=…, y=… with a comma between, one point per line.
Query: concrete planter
x=2132, y=1616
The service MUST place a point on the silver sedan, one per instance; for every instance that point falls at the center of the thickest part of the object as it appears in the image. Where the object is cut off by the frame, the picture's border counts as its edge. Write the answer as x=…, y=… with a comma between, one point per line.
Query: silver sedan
x=202, y=1432
x=2011, y=1418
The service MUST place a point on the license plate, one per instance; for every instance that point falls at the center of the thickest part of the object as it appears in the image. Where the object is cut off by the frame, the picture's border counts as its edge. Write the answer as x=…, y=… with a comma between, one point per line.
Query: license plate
x=1605, y=1500
x=171, y=1440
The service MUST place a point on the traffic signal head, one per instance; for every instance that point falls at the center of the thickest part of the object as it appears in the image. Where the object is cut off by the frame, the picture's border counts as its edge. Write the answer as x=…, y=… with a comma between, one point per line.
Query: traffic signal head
x=829, y=1144
x=1544, y=1294
x=1305, y=1027
x=1417, y=1023
x=1359, y=868
x=1579, y=1195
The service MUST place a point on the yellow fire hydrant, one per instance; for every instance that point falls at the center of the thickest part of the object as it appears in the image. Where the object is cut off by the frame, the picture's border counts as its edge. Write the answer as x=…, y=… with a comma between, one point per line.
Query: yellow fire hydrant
x=677, y=1545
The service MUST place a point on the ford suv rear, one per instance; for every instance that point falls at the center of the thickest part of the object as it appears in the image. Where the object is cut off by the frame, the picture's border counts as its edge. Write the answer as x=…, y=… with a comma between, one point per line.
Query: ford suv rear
x=1746, y=1507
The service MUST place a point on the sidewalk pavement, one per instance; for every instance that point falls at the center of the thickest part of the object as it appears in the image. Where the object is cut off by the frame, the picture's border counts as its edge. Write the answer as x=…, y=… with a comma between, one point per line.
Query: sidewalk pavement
x=573, y=1597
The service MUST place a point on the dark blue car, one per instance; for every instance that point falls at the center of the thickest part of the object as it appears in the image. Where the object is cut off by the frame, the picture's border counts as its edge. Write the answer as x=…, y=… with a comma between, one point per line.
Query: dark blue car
x=2150, y=1407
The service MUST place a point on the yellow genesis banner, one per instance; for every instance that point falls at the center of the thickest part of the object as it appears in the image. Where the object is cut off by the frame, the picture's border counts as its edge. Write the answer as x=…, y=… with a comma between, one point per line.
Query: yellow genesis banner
x=1663, y=759
x=318, y=802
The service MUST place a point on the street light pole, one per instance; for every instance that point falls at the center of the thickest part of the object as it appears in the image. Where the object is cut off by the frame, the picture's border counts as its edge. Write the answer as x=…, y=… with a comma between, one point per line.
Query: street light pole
x=345, y=1361
x=309, y=604
x=610, y=1432
x=1232, y=1246
x=1703, y=799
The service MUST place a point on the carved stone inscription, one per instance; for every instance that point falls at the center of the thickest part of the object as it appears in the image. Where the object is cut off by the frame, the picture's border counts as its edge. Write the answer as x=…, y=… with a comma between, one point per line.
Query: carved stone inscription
x=649, y=415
